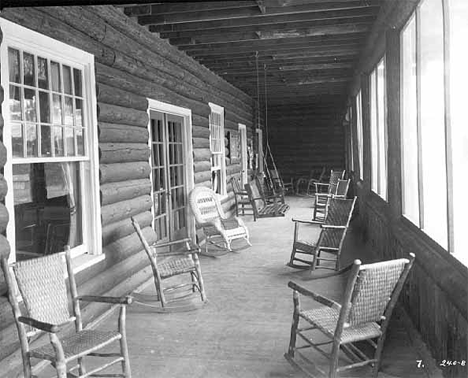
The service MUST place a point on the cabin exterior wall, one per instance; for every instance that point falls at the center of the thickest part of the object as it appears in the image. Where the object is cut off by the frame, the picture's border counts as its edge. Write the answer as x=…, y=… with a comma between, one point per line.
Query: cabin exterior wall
x=436, y=295
x=131, y=65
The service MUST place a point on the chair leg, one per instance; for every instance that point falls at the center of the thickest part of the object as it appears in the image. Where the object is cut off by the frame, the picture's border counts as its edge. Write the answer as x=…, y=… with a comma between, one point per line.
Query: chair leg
x=378, y=355
x=201, y=285
x=81, y=365
x=123, y=343
x=334, y=359
x=294, y=325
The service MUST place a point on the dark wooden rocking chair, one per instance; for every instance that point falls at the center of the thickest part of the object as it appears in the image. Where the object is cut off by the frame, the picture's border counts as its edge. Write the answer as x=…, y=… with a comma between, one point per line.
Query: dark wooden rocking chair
x=178, y=297
x=335, y=175
x=45, y=292
x=327, y=249
x=240, y=196
x=340, y=190
x=260, y=205
x=362, y=316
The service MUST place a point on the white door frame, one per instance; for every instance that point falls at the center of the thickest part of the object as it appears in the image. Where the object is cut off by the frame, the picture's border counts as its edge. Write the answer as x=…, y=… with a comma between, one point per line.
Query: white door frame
x=243, y=152
x=186, y=114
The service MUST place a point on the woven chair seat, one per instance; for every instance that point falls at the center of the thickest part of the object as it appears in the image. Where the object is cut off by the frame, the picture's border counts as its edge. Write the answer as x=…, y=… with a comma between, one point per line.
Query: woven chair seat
x=281, y=209
x=78, y=344
x=304, y=246
x=326, y=319
x=176, y=266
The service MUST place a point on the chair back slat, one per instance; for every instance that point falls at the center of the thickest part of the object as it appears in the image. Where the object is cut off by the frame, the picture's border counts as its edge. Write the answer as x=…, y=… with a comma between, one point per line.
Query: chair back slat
x=373, y=290
x=236, y=185
x=41, y=281
x=334, y=177
x=205, y=205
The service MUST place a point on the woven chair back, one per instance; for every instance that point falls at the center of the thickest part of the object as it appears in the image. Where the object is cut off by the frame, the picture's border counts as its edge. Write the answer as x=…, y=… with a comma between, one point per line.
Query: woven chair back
x=340, y=211
x=236, y=185
x=205, y=205
x=342, y=188
x=42, y=285
x=373, y=290
x=334, y=177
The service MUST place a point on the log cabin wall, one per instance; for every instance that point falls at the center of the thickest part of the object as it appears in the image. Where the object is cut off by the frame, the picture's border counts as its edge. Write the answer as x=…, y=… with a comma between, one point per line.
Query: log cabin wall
x=131, y=65
x=436, y=296
x=303, y=139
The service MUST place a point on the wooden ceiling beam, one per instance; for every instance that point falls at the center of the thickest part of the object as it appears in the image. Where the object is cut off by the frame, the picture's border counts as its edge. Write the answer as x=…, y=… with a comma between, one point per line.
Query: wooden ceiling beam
x=259, y=20
x=290, y=69
x=197, y=6
x=285, y=26
x=270, y=34
x=256, y=9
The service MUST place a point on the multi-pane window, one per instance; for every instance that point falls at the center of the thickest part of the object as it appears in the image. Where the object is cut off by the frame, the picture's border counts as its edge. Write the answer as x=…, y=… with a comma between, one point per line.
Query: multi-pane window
x=47, y=117
x=218, y=166
x=434, y=133
x=359, y=134
x=378, y=132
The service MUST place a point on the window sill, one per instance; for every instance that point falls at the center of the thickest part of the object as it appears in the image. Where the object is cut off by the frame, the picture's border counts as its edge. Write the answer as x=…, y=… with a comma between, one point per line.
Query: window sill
x=84, y=261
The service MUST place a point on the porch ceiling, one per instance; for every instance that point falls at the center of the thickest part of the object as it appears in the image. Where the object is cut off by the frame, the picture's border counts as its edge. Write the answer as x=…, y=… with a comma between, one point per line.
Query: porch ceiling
x=305, y=51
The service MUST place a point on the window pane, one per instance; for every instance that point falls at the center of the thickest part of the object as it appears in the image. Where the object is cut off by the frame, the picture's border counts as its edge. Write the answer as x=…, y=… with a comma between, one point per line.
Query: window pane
x=67, y=83
x=78, y=82
x=52, y=188
x=409, y=137
x=68, y=111
x=373, y=131
x=55, y=69
x=79, y=113
x=69, y=140
x=14, y=65
x=42, y=73
x=57, y=137
x=433, y=122
x=46, y=148
x=80, y=142
x=17, y=140
x=29, y=69
x=459, y=77
x=44, y=107
x=57, y=109
x=31, y=140
x=30, y=104
x=382, y=130
x=15, y=103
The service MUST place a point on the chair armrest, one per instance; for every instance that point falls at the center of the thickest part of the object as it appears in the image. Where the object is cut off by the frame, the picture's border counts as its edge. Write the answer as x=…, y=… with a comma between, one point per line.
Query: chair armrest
x=317, y=297
x=114, y=300
x=307, y=221
x=43, y=326
x=321, y=184
x=333, y=227
x=177, y=253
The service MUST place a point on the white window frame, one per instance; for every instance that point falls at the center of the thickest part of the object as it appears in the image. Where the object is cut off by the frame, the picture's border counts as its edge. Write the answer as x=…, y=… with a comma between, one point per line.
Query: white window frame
x=222, y=168
x=21, y=38
x=359, y=134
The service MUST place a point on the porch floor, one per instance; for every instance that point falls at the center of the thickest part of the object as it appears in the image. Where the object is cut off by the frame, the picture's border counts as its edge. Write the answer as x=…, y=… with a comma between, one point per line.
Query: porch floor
x=243, y=331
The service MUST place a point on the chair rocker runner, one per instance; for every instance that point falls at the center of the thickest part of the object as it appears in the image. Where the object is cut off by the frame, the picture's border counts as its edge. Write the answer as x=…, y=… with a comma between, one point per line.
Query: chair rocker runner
x=363, y=316
x=177, y=297
x=327, y=249
x=260, y=205
x=44, y=291
x=217, y=228
x=340, y=190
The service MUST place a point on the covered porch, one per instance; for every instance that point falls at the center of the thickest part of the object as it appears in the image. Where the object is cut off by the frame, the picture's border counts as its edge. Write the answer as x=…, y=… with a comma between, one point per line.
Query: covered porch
x=243, y=330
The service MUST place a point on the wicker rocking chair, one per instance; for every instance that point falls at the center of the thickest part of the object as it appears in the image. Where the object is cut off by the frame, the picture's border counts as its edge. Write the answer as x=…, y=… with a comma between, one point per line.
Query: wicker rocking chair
x=362, y=317
x=217, y=228
x=43, y=288
x=182, y=261
x=327, y=249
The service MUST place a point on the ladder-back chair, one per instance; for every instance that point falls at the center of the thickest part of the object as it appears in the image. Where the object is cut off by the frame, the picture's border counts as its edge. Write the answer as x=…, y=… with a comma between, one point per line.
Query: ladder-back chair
x=181, y=261
x=240, y=196
x=362, y=316
x=335, y=175
x=260, y=205
x=340, y=190
x=312, y=255
x=45, y=291
x=216, y=226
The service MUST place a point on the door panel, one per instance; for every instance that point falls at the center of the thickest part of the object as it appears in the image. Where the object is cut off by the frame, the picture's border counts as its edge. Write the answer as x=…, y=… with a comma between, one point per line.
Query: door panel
x=168, y=176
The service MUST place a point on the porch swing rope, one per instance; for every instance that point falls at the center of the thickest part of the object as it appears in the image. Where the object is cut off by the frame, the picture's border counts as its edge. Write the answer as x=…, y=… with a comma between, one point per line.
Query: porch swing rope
x=266, y=123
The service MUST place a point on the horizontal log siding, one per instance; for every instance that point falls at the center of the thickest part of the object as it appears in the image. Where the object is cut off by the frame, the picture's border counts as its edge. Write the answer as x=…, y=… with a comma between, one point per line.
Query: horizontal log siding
x=131, y=66
x=301, y=143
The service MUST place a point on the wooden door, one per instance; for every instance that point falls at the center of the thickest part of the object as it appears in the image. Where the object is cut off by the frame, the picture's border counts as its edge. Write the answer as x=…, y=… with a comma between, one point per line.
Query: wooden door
x=243, y=153
x=168, y=176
